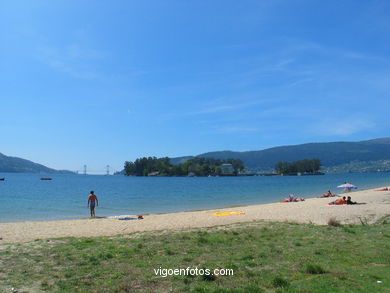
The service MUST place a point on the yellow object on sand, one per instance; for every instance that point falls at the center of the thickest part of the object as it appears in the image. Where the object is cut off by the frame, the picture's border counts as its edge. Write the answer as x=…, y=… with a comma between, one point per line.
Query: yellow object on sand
x=228, y=213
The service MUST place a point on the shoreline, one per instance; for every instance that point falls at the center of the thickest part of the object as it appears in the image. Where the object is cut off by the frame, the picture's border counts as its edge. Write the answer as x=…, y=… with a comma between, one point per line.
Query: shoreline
x=374, y=206
x=183, y=211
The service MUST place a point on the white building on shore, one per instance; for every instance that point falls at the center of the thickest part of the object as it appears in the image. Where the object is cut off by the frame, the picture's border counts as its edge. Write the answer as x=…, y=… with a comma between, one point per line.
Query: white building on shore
x=227, y=169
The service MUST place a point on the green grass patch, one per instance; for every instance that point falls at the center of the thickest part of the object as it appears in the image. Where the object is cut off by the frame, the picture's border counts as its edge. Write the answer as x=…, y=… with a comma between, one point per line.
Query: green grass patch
x=264, y=257
x=280, y=282
x=314, y=269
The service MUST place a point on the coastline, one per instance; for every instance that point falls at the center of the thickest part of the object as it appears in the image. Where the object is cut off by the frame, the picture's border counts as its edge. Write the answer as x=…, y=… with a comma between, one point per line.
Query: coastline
x=374, y=205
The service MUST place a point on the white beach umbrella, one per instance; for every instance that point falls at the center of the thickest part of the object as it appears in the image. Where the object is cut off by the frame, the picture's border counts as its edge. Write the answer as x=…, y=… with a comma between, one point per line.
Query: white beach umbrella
x=346, y=185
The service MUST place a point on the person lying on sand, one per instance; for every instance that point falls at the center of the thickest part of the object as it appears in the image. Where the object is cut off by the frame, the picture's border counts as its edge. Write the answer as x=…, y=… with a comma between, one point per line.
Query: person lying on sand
x=292, y=198
x=339, y=201
x=383, y=189
x=328, y=194
x=349, y=201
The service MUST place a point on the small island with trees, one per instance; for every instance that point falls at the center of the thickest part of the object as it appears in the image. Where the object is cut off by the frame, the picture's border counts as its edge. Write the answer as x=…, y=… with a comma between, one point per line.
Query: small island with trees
x=202, y=167
x=301, y=167
x=152, y=166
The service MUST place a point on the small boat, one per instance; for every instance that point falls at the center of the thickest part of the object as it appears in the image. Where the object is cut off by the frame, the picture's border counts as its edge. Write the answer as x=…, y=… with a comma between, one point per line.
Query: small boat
x=2, y=179
x=46, y=178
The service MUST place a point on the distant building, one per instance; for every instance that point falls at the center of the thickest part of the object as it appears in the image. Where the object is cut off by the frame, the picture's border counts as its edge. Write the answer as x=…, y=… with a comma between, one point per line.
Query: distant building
x=227, y=169
x=154, y=173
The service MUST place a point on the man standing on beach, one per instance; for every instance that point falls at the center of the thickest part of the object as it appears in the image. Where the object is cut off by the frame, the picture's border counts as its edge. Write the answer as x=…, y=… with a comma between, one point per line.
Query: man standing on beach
x=92, y=201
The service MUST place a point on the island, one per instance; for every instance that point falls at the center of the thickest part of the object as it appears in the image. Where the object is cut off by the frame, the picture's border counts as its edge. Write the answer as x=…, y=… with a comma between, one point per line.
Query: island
x=152, y=166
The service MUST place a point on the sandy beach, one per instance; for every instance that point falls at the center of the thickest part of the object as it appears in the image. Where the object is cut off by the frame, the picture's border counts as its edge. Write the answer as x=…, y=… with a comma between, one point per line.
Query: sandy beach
x=373, y=205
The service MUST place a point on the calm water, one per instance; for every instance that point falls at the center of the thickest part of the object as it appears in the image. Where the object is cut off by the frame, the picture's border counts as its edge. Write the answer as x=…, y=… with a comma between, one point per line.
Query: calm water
x=23, y=197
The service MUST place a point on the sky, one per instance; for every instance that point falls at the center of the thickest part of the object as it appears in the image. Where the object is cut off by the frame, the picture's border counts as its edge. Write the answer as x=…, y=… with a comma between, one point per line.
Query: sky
x=97, y=83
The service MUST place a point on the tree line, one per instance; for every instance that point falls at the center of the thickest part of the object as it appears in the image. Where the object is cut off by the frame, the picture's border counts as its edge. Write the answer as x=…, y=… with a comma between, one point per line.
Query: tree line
x=152, y=166
x=308, y=166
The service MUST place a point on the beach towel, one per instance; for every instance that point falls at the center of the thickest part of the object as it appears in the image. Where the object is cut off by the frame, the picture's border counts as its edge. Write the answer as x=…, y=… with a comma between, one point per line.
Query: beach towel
x=294, y=200
x=127, y=219
x=228, y=213
x=383, y=189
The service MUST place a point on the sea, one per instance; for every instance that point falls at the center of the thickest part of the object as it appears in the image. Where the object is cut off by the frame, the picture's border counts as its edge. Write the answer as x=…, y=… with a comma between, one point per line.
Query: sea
x=24, y=197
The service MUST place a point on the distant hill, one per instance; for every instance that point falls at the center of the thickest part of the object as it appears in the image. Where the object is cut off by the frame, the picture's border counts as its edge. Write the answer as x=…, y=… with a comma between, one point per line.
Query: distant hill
x=18, y=165
x=331, y=154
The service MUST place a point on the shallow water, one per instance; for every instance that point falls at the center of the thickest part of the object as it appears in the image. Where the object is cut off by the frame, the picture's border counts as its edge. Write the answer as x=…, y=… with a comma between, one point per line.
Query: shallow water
x=24, y=197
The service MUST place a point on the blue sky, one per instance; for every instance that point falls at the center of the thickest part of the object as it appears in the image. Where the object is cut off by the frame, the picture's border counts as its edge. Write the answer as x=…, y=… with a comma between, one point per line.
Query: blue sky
x=101, y=82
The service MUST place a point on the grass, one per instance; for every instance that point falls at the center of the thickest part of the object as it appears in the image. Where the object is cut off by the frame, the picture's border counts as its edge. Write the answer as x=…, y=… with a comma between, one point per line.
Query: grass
x=314, y=269
x=265, y=257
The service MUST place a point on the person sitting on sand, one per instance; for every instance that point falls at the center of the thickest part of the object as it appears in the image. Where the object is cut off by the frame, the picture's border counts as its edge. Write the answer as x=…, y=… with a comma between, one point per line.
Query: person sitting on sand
x=92, y=201
x=339, y=201
x=349, y=201
x=291, y=198
x=328, y=194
